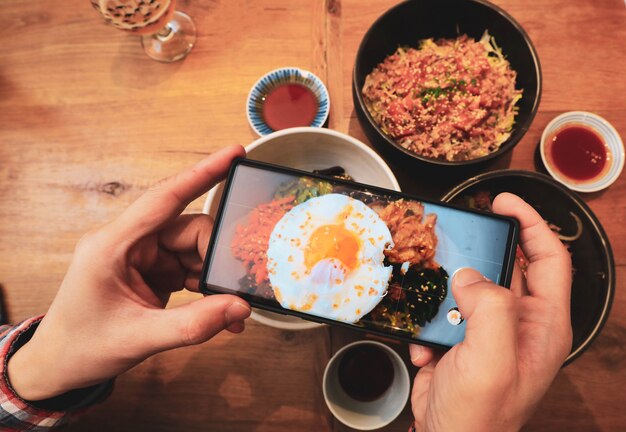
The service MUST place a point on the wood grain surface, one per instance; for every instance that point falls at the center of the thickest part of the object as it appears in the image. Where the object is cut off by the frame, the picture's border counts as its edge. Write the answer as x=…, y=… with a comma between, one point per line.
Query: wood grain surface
x=88, y=122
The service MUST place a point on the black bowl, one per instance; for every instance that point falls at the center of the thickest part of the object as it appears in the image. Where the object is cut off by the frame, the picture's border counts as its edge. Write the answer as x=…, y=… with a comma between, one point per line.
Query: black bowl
x=593, y=283
x=411, y=21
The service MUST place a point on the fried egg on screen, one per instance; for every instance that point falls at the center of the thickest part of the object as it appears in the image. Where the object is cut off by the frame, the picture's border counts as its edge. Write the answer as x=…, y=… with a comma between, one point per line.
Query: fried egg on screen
x=325, y=258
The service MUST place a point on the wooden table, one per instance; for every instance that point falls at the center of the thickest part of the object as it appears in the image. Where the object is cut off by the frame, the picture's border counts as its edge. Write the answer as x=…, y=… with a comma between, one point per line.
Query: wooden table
x=87, y=122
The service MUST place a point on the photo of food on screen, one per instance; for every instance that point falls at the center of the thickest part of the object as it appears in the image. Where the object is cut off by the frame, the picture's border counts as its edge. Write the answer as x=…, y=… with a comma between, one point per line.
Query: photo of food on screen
x=330, y=250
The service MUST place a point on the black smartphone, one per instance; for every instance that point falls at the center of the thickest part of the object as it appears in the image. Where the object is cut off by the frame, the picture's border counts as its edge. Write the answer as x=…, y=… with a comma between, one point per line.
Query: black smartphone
x=339, y=252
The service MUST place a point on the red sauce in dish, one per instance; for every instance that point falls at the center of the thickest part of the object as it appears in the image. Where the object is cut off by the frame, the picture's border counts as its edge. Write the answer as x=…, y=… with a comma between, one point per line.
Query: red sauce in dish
x=289, y=105
x=578, y=153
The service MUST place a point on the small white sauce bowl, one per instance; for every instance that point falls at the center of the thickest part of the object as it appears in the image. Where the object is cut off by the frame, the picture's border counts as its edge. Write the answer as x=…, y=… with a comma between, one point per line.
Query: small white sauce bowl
x=609, y=135
x=276, y=78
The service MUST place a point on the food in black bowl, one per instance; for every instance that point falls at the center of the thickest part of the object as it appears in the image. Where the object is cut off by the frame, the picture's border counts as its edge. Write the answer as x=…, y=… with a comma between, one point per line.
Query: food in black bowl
x=446, y=84
x=593, y=282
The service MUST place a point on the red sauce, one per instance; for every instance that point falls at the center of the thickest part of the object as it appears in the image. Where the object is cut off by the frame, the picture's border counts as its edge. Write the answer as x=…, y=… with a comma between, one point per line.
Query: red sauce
x=365, y=372
x=578, y=152
x=289, y=105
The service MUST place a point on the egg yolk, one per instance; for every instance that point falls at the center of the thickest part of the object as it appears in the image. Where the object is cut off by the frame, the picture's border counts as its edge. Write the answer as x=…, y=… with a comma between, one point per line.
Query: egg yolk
x=332, y=241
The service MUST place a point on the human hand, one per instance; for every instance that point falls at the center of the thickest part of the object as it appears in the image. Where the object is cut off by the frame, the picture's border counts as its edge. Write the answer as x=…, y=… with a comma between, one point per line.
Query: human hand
x=109, y=314
x=515, y=342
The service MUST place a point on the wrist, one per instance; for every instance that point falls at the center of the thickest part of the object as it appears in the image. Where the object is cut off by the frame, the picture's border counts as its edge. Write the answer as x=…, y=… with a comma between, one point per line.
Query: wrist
x=33, y=383
x=30, y=378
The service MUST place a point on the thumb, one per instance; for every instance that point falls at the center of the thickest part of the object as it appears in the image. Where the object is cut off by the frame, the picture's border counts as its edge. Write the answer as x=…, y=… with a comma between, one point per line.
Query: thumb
x=197, y=322
x=491, y=314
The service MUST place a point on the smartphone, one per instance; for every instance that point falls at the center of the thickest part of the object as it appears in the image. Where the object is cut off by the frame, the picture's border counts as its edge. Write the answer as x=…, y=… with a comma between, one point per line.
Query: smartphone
x=343, y=253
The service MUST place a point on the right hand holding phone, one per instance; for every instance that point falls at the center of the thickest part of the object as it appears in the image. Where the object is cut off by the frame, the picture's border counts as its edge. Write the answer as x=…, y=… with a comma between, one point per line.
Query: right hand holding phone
x=515, y=342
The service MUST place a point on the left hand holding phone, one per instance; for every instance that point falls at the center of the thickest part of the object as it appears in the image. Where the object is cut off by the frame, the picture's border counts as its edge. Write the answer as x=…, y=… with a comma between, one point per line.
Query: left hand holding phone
x=109, y=313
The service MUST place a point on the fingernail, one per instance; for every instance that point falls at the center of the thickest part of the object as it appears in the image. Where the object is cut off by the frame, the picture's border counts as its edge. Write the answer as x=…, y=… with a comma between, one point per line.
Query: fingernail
x=467, y=276
x=417, y=351
x=237, y=312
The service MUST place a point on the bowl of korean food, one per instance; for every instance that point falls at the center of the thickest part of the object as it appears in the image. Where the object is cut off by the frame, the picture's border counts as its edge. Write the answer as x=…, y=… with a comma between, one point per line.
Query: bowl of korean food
x=446, y=85
x=311, y=149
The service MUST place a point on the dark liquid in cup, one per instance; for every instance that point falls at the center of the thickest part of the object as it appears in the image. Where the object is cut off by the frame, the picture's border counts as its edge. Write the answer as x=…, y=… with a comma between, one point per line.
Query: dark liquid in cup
x=365, y=373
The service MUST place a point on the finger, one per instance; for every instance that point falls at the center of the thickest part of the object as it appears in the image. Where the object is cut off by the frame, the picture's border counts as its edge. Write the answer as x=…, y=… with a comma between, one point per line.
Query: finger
x=491, y=319
x=195, y=322
x=192, y=282
x=189, y=234
x=518, y=282
x=419, y=394
x=168, y=198
x=191, y=261
x=165, y=274
x=421, y=355
x=236, y=327
x=549, y=269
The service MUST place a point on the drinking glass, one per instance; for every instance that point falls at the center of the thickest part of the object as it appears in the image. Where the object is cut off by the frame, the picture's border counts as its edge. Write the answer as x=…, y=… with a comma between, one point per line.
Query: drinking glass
x=166, y=35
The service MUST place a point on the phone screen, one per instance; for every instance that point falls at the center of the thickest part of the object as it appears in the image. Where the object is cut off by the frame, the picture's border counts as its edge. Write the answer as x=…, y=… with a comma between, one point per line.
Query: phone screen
x=335, y=251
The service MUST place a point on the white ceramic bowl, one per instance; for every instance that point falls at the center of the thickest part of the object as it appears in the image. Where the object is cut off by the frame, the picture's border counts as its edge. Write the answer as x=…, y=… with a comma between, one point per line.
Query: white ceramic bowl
x=366, y=415
x=309, y=148
x=605, y=130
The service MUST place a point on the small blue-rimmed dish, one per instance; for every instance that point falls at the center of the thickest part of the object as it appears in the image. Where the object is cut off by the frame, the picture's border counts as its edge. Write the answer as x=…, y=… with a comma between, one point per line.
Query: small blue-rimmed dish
x=610, y=137
x=280, y=77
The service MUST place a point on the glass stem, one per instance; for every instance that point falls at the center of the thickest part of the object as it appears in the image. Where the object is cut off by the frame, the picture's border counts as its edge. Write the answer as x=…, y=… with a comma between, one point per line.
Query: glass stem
x=164, y=34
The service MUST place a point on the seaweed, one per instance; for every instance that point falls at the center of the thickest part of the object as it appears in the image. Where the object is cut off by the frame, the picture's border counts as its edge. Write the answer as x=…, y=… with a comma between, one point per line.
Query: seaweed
x=334, y=171
x=412, y=300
